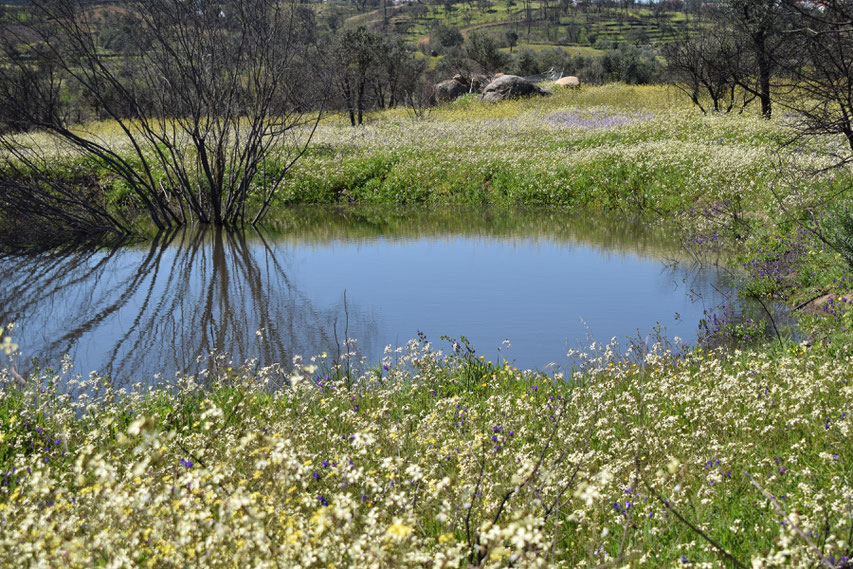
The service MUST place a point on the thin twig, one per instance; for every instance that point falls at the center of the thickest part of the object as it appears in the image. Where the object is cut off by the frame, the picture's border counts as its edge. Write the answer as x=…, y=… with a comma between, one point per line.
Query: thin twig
x=784, y=514
x=468, y=536
x=772, y=320
x=690, y=525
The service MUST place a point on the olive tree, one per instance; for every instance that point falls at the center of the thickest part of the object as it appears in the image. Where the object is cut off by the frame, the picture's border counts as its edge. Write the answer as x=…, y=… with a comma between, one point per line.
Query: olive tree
x=356, y=56
x=483, y=50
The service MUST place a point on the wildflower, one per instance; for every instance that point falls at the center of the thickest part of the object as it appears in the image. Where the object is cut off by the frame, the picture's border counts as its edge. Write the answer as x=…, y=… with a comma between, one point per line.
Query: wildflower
x=7, y=346
x=673, y=465
x=399, y=530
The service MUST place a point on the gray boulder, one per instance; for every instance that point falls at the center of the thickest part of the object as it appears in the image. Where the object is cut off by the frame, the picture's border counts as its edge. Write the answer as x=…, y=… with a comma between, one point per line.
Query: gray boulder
x=511, y=86
x=449, y=90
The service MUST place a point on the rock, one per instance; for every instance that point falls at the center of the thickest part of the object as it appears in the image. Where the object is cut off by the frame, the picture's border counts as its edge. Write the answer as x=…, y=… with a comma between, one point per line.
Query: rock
x=569, y=81
x=459, y=85
x=479, y=82
x=511, y=86
x=449, y=90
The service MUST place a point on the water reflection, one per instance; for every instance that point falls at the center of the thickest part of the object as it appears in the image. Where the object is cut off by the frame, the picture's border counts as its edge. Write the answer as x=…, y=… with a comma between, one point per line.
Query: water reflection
x=544, y=280
x=611, y=234
x=135, y=311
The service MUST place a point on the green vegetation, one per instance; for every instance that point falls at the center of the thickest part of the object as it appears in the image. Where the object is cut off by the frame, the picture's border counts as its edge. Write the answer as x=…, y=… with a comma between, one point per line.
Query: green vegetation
x=732, y=453
x=539, y=24
x=435, y=457
x=668, y=456
x=608, y=147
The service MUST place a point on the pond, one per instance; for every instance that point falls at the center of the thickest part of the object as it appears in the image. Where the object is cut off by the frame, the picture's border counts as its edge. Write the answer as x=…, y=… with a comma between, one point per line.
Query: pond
x=545, y=281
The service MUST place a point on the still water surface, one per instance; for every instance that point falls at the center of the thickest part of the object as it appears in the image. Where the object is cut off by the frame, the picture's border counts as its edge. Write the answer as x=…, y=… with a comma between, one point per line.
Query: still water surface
x=545, y=281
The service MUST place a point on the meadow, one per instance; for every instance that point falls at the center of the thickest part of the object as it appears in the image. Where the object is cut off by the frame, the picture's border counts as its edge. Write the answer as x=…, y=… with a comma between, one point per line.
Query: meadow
x=733, y=453
x=667, y=457
x=614, y=146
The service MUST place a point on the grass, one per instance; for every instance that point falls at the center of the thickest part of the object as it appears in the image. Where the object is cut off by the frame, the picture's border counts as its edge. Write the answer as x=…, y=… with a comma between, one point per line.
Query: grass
x=600, y=147
x=572, y=50
x=436, y=456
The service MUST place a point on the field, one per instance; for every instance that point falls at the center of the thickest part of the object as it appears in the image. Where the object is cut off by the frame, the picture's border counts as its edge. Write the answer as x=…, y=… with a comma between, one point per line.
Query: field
x=440, y=459
x=611, y=146
x=549, y=24
x=735, y=453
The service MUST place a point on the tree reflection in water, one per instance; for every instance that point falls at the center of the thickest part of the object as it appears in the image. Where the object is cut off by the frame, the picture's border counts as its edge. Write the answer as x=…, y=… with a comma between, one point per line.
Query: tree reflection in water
x=132, y=312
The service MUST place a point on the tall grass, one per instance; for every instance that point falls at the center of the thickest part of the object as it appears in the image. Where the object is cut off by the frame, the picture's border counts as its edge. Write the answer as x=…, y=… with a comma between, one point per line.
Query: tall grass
x=601, y=147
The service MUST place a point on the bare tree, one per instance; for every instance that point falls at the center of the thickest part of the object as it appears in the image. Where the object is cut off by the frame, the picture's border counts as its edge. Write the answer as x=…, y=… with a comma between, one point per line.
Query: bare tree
x=699, y=63
x=208, y=113
x=743, y=44
x=760, y=28
x=822, y=72
x=356, y=56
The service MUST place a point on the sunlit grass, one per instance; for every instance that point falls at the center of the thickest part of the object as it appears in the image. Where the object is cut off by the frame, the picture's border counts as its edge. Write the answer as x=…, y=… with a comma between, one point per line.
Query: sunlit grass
x=409, y=462
x=610, y=147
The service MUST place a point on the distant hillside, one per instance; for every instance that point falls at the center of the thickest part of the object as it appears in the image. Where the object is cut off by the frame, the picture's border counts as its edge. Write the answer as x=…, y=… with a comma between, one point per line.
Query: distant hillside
x=535, y=24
